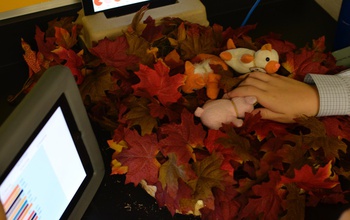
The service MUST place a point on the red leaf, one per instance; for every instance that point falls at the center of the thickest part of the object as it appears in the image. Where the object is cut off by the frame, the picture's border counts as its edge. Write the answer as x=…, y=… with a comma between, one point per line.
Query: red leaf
x=226, y=208
x=157, y=82
x=174, y=204
x=270, y=202
x=300, y=64
x=213, y=146
x=113, y=53
x=140, y=158
x=152, y=32
x=182, y=138
x=160, y=111
x=46, y=45
x=306, y=179
x=337, y=126
x=74, y=62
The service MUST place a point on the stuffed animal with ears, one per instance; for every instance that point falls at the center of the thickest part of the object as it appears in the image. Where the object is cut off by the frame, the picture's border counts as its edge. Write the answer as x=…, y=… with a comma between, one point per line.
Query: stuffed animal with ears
x=214, y=113
x=200, y=75
x=244, y=60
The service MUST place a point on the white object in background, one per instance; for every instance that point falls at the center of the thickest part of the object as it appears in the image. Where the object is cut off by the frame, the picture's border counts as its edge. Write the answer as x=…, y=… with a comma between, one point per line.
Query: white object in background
x=96, y=27
x=332, y=7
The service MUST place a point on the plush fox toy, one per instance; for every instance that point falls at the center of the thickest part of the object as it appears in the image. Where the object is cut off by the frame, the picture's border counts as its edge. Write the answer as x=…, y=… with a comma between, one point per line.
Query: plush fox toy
x=244, y=60
x=200, y=75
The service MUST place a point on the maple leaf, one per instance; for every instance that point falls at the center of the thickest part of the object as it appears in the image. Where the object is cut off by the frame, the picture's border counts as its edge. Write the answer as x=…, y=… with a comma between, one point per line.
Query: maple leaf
x=335, y=195
x=213, y=145
x=306, y=179
x=196, y=41
x=33, y=61
x=210, y=176
x=173, y=59
x=337, y=126
x=292, y=152
x=295, y=204
x=95, y=85
x=139, y=114
x=281, y=46
x=151, y=33
x=157, y=82
x=64, y=38
x=140, y=47
x=318, y=138
x=73, y=61
x=136, y=25
x=140, y=158
x=261, y=128
x=160, y=111
x=300, y=64
x=319, y=44
x=63, y=22
x=183, y=203
x=182, y=138
x=170, y=172
x=270, y=202
x=114, y=52
x=46, y=45
x=117, y=168
x=240, y=145
x=226, y=208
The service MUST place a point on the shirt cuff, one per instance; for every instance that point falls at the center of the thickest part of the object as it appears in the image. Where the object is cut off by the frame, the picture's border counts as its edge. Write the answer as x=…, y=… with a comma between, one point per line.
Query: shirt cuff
x=334, y=93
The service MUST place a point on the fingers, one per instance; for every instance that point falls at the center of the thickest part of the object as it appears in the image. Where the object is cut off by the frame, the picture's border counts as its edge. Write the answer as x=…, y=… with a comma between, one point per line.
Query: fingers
x=261, y=76
x=246, y=91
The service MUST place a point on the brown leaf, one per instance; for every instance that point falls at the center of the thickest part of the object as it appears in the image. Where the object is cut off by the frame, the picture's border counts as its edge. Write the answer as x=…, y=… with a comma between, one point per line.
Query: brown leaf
x=96, y=85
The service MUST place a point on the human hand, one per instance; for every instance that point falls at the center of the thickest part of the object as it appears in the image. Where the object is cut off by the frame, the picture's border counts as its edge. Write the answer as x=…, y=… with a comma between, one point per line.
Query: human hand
x=283, y=99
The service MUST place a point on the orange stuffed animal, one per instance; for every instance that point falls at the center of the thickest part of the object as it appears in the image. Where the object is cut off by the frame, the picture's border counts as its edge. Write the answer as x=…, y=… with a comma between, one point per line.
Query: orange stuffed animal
x=200, y=75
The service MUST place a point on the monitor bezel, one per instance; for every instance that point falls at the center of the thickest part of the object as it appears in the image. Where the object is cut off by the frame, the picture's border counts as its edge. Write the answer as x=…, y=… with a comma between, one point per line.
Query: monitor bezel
x=124, y=10
x=56, y=82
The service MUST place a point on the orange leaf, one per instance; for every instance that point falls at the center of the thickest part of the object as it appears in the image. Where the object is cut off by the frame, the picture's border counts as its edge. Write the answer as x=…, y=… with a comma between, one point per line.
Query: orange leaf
x=309, y=180
x=31, y=57
x=64, y=38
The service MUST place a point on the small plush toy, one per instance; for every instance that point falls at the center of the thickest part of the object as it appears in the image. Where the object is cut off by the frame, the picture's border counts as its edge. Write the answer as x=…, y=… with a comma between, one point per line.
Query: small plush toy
x=244, y=60
x=200, y=75
x=214, y=113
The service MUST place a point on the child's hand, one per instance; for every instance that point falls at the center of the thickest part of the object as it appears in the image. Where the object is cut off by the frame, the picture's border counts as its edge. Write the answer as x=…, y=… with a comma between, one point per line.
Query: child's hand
x=283, y=99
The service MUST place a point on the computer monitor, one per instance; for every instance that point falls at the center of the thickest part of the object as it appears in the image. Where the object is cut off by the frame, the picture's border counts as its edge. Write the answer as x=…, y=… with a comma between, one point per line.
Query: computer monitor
x=50, y=163
x=113, y=8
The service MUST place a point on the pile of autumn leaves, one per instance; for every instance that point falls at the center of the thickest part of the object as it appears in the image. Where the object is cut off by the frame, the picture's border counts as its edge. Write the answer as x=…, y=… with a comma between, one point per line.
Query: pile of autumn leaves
x=131, y=86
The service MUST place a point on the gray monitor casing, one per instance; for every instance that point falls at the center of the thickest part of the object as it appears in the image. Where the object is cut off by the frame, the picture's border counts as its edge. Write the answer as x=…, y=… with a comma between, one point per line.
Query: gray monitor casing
x=30, y=112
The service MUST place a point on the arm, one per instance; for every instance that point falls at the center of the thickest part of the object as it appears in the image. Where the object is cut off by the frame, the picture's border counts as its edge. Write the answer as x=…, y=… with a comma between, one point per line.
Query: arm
x=283, y=98
x=334, y=92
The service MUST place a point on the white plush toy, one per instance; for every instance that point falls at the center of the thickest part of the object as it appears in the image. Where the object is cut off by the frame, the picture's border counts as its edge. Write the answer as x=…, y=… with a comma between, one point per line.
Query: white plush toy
x=244, y=60
x=214, y=113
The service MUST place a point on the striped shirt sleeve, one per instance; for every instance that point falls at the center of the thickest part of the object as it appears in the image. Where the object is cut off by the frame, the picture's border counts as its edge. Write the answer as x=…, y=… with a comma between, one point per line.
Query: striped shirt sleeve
x=334, y=92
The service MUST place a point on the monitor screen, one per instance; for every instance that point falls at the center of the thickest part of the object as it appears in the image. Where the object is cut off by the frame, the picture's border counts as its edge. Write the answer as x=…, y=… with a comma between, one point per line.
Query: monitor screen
x=100, y=5
x=54, y=172
x=114, y=8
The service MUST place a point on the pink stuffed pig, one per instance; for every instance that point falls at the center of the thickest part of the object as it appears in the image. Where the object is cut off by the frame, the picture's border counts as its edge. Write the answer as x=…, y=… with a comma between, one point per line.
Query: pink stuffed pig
x=214, y=113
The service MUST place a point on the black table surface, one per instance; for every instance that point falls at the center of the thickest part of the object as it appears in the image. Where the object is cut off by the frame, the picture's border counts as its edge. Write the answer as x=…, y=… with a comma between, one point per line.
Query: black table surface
x=298, y=21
